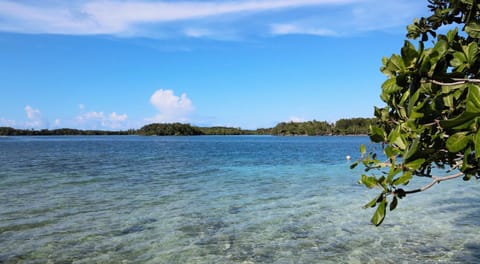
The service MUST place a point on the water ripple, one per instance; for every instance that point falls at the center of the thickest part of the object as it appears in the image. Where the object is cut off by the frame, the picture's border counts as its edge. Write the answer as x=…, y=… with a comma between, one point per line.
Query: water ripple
x=215, y=200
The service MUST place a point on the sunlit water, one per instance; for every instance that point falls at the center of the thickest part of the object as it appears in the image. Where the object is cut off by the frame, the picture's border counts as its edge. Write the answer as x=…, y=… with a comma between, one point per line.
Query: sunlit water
x=217, y=200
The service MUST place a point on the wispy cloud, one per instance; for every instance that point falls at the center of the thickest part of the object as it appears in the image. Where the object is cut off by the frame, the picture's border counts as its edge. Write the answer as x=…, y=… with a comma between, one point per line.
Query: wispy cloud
x=84, y=120
x=366, y=16
x=7, y=122
x=289, y=29
x=171, y=108
x=198, y=32
x=100, y=120
x=57, y=123
x=34, y=117
x=201, y=18
x=120, y=17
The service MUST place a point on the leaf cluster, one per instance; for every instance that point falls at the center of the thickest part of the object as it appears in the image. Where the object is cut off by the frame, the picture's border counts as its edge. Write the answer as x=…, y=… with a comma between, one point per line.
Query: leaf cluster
x=432, y=96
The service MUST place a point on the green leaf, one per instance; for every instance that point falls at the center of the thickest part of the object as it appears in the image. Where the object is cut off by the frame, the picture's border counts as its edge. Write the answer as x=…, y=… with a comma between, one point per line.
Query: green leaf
x=373, y=202
x=473, y=99
x=415, y=115
x=377, y=134
x=404, y=179
x=439, y=50
x=384, y=60
x=382, y=182
x=459, y=59
x=415, y=165
x=477, y=144
x=425, y=66
x=448, y=89
x=452, y=34
x=465, y=164
x=405, y=97
x=393, y=171
x=448, y=101
x=457, y=142
x=353, y=165
x=471, y=52
x=394, y=203
x=413, y=100
x=412, y=149
x=460, y=121
x=363, y=149
x=369, y=181
x=395, y=64
x=390, y=86
x=379, y=214
x=409, y=53
x=391, y=152
x=473, y=29
x=395, y=137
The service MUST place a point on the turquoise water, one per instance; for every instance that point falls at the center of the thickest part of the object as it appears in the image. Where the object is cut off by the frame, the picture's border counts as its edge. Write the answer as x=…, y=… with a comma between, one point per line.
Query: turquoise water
x=249, y=199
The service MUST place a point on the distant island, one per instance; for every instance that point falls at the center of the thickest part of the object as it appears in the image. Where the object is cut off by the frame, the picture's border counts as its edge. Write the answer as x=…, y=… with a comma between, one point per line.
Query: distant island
x=352, y=126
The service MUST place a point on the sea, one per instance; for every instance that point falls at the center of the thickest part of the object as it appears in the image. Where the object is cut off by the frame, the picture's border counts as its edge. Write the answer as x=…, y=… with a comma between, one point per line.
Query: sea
x=218, y=199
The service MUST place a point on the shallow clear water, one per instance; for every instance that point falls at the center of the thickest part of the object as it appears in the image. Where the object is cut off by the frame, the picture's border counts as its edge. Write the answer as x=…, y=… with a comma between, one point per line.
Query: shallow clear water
x=216, y=200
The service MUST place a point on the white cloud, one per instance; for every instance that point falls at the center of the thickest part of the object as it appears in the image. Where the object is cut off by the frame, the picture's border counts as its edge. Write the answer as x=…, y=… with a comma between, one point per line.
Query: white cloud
x=7, y=122
x=99, y=120
x=118, y=118
x=81, y=106
x=372, y=16
x=32, y=113
x=171, y=107
x=197, y=32
x=128, y=17
x=286, y=29
x=88, y=120
x=214, y=19
x=364, y=16
x=34, y=117
x=93, y=115
x=119, y=15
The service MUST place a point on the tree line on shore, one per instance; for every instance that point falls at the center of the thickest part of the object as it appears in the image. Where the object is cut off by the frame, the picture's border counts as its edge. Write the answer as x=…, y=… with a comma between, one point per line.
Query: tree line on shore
x=352, y=126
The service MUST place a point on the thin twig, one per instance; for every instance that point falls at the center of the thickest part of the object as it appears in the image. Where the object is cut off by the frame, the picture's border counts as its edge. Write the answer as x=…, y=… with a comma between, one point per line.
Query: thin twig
x=436, y=179
x=457, y=81
x=467, y=80
x=447, y=84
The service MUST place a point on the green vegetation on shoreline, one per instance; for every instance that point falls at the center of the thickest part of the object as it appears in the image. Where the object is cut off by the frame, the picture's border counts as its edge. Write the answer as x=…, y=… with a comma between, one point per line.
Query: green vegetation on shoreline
x=353, y=126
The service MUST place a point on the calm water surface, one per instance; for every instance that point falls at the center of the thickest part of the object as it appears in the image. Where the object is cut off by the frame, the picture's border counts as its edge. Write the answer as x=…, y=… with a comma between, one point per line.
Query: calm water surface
x=216, y=200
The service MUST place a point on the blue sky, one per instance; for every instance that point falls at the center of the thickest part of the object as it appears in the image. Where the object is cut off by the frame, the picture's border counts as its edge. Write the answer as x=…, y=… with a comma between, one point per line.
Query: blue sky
x=115, y=64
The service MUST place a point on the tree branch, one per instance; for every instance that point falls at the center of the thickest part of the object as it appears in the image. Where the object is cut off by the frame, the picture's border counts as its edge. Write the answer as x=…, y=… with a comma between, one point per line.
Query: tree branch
x=457, y=81
x=466, y=80
x=435, y=179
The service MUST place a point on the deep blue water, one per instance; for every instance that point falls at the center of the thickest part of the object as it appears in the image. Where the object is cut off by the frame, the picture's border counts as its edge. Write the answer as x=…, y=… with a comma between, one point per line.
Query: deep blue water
x=232, y=199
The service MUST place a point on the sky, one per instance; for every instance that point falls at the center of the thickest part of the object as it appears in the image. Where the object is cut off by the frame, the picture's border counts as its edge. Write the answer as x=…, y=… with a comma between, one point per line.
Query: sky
x=116, y=65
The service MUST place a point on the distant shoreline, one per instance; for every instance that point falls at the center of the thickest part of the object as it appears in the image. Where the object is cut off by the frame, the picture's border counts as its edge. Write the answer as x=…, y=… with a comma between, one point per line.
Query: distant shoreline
x=247, y=135
x=343, y=127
